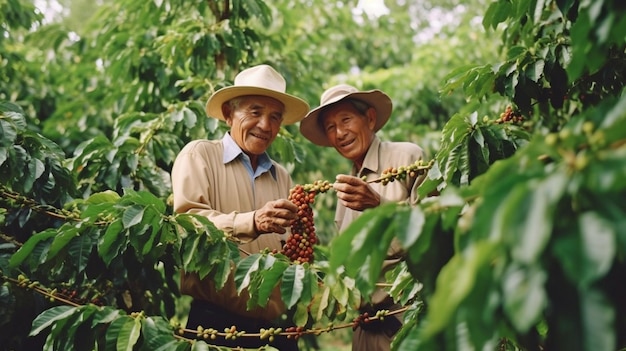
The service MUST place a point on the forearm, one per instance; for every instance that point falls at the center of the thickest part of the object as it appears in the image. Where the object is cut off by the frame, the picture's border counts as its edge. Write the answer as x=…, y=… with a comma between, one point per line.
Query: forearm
x=237, y=224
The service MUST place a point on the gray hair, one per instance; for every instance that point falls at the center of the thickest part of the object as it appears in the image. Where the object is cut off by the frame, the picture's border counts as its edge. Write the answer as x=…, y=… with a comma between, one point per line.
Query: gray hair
x=235, y=102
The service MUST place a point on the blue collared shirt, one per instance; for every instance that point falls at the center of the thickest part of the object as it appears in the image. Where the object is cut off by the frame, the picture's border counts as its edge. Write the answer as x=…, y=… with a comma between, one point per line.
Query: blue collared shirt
x=232, y=151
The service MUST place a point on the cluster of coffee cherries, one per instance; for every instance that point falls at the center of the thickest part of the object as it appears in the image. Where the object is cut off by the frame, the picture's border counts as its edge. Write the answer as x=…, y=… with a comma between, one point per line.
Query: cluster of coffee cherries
x=269, y=333
x=365, y=317
x=294, y=332
x=66, y=293
x=510, y=116
x=416, y=169
x=299, y=244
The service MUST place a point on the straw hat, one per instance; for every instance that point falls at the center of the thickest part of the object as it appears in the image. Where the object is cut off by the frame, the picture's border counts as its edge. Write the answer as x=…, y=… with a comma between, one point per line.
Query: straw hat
x=259, y=80
x=381, y=102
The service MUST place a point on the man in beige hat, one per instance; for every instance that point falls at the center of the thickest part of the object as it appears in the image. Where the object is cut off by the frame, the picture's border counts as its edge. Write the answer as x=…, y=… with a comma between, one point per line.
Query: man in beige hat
x=348, y=119
x=235, y=184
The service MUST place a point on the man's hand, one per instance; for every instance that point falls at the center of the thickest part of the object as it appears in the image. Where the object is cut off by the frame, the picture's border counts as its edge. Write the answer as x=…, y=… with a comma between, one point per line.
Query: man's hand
x=274, y=216
x=354, y=193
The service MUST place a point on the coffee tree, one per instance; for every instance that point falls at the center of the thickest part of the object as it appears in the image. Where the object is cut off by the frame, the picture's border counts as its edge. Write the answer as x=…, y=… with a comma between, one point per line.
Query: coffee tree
x=517, y=242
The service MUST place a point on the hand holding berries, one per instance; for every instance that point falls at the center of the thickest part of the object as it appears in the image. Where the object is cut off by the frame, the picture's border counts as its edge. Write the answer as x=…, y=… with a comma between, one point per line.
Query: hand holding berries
x=275, y=216
x=355, y=193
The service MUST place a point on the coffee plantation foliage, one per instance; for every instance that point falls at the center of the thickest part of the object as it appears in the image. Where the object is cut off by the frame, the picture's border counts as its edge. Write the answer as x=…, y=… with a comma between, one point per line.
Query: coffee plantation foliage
x=518, y=241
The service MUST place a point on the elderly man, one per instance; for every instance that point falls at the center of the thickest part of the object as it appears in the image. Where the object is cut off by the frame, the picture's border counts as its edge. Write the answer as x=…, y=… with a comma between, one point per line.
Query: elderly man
x=235, y=184
x=348, y=119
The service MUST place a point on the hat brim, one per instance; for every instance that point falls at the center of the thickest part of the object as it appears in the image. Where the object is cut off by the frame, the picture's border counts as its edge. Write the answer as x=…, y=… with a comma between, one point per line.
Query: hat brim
x=295, y=108
x=313, y=131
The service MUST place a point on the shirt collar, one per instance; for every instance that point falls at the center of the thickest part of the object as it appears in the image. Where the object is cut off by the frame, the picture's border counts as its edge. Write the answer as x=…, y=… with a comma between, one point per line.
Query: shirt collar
x=232, y=151
x=370, y=162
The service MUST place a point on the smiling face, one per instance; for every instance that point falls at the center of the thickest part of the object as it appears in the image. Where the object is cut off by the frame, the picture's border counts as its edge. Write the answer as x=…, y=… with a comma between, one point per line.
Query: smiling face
x=349, y=131
x=254, y=122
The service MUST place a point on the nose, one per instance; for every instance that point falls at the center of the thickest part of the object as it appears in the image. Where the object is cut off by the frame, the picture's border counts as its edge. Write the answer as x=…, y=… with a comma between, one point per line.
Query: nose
x=341, y=132
x=264, y=123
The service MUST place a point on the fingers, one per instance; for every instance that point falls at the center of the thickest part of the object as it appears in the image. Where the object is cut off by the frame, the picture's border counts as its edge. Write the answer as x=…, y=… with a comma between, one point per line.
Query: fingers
x=350, y=180
x=275, y=216
x=355, y=193
x=350, y=185
x=287, y=205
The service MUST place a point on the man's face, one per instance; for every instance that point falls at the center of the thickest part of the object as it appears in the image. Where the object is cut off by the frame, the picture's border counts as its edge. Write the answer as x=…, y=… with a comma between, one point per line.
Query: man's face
x=349, y=131
x=254, y=123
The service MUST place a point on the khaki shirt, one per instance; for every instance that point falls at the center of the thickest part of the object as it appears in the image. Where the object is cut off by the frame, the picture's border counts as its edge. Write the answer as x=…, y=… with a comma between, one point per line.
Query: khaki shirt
x=380, y=156
x=204, y=184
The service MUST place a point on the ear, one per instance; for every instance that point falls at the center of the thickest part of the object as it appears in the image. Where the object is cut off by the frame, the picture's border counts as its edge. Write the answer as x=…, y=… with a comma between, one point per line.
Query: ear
x=226, y=112
x=370, y=114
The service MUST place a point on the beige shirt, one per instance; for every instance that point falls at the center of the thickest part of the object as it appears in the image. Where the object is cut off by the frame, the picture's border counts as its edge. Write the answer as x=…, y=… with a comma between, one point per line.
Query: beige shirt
x=204, y=184
x=380, y=156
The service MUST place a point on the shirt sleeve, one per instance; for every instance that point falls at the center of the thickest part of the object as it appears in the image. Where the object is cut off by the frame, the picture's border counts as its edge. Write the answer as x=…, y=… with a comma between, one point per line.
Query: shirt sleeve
x=191, y=184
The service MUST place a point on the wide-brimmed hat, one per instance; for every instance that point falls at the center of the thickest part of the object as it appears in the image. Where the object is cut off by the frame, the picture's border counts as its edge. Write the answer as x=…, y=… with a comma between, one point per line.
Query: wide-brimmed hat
x=381, y=102
x=259, y=80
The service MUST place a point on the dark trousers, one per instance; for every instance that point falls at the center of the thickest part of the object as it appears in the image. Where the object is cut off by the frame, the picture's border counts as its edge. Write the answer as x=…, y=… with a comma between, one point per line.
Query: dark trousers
x=209, y=315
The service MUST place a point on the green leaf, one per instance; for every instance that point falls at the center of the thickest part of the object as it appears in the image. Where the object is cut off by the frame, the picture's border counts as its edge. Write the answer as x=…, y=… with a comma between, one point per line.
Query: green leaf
x=524, y=295
x=112, y=242
x=123, y=333
x=49, y=316
x=599, y=332
x=292, y=285
x=132, y=215
x=409, y=225
x=105, y=315
x=528, y=215
x=376, y=258
x=598, y=246
x=454, y=283
x=128, y=334
x=25, y=251
x=360, y=238
x=81, y=247
x=496, y=13
x=534, y=70
x=199, y=345
x=245, y=268
x=61, y=336
x=587, y=256
x=321, y=303
x=539, y=7
x=65, y=235
x=515, y=52
x=108, y=196
x=271, y=277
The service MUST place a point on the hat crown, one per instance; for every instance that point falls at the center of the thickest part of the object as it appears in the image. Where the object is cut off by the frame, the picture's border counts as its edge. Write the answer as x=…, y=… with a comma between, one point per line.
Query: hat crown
x=261, y=76
x=336, y=93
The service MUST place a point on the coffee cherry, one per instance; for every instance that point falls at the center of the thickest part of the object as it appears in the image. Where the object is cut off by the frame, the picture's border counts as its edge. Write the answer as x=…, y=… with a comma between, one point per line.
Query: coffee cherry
x=510, y=116
x=303, y=229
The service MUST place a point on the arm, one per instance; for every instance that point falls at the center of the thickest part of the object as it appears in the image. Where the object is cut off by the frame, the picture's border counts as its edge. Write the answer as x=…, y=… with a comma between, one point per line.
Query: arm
x=192, y=175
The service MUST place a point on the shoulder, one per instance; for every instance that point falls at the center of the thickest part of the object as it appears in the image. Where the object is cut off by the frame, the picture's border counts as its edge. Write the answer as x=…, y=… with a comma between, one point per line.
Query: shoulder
x=401, y=147
x=202, y=146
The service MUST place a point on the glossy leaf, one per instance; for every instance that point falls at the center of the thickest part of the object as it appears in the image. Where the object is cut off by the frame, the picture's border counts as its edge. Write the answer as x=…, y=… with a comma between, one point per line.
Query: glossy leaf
x=50, y=316
x=292, y=285
x=26, y=250
x=454, y=283
x=524, y=296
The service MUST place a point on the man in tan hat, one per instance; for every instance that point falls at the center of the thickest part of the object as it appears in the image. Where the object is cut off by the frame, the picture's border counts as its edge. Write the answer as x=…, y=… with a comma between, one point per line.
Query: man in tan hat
x=235, y=184
x=348, y=119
